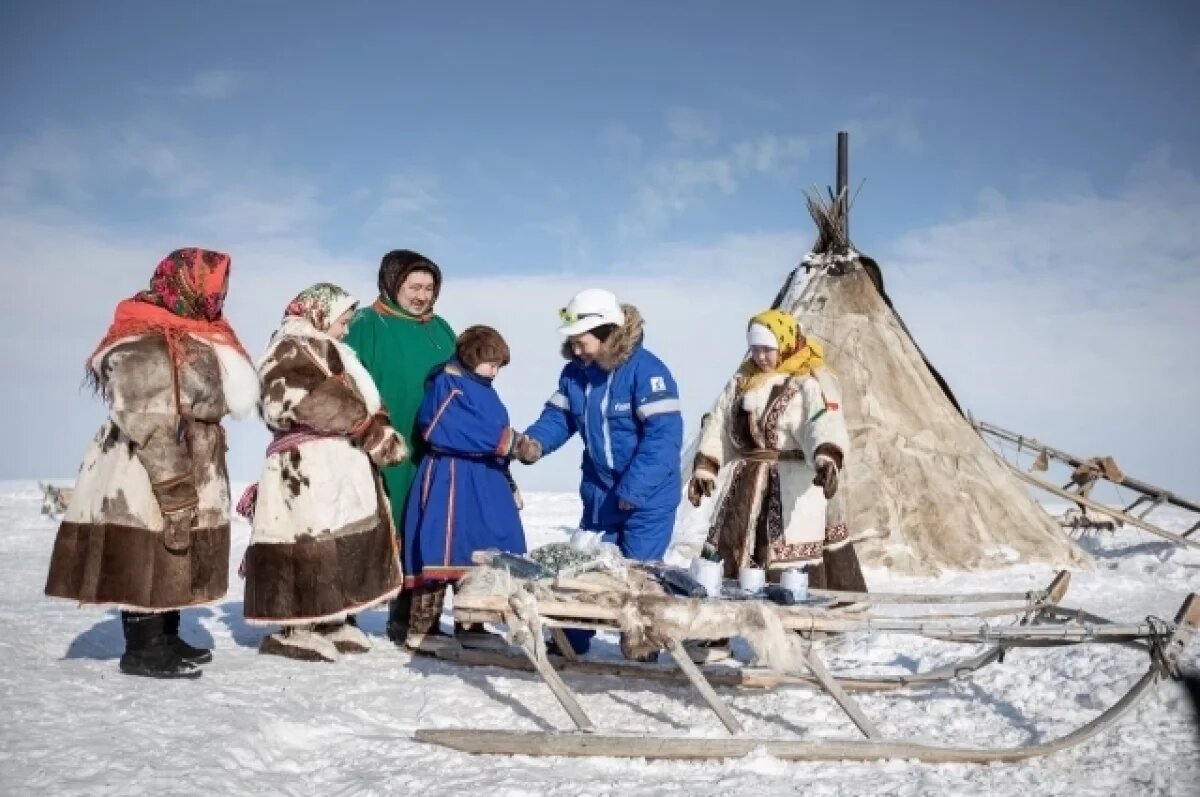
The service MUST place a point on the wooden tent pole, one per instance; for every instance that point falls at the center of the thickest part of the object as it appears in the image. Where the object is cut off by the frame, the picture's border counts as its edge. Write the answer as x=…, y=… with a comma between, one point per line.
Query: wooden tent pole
x=843, y=183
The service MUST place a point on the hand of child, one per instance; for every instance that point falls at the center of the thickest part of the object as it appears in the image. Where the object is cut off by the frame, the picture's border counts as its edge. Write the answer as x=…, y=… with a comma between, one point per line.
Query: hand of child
x=527, y=450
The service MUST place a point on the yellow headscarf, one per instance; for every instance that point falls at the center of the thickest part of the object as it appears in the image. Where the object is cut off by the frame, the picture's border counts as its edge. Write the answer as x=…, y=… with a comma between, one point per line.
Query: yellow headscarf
x=798, y=356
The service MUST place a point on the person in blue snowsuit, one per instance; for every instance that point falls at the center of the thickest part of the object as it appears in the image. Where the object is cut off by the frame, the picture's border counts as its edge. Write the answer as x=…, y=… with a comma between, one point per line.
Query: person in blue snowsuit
x=623, y=401
x=463, y=499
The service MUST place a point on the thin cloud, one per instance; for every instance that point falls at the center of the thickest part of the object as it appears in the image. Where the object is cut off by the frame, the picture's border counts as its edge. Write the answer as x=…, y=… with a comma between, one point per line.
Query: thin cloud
x=213, y=84
x=1070, y=318
x=620, y=142
x=689, y=127
x=884, y=120
x=671, y=186
x=408, y=195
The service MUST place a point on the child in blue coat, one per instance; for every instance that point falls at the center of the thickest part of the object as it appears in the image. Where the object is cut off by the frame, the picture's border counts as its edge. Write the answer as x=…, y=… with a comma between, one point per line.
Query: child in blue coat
x=462, y=499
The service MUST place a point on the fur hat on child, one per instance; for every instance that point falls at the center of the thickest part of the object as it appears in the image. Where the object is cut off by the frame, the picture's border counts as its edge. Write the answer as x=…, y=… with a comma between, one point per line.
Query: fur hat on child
x=480, y=344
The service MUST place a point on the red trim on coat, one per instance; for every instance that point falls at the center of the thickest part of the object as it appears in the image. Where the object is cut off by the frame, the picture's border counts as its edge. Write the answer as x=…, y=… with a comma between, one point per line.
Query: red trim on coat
x=441, y=410
x=450, y=516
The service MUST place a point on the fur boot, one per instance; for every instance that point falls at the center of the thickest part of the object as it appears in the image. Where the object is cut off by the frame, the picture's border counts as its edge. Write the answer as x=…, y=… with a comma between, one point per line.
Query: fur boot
x=300, y=643
x=426, y=614
x=399, y=610
x=149, y=652
x=346, y=637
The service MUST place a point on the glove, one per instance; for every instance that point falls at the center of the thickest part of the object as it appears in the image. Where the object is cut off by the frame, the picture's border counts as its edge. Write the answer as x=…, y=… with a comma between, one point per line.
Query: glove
x=178, y=502
x=701, y=486
x=827, y=463
x=527, y=450
x=380, y=441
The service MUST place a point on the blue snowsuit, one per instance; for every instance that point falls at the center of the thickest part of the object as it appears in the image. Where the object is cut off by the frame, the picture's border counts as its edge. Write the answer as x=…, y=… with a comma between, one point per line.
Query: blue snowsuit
x=461, y=500
x=632, y=430
x=632, y=433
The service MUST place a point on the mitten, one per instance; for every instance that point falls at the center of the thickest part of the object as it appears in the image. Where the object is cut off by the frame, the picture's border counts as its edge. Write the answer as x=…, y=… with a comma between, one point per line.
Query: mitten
x=701, y=486
x=383, y=444
x=527, y=450
x=177, y=500
x=827, y=463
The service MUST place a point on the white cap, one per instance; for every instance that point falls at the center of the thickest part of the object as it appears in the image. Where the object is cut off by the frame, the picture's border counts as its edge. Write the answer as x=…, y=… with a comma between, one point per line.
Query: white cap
x=759, y=335
x=590, y=309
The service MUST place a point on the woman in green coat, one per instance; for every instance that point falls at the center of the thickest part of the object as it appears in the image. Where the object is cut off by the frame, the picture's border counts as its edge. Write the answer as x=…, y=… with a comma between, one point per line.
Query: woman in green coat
x=400, y=340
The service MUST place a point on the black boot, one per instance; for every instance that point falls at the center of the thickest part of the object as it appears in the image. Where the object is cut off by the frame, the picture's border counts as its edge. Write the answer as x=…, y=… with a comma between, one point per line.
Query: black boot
x=148, y=650
x=399, y=610
x=186, y=652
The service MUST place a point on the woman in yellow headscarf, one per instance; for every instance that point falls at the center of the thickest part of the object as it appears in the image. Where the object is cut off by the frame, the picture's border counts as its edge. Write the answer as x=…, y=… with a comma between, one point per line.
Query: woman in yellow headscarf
x=778, y=426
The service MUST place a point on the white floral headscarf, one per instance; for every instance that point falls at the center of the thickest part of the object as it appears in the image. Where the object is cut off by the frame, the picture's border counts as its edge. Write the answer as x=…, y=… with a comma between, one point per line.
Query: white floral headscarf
x=320, y=305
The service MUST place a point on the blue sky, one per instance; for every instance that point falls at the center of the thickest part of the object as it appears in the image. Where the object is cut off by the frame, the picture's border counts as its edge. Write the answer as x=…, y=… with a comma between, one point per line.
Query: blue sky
x=1031, y=184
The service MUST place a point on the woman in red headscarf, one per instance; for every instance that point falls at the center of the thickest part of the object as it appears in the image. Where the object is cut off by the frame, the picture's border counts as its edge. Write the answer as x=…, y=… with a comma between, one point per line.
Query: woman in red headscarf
x=147, y=530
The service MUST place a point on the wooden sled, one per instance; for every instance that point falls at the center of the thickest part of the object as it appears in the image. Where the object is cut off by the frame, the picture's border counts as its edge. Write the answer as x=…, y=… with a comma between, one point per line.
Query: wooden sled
x=1042, y=622
x=1086, y=474
x=1028, y=604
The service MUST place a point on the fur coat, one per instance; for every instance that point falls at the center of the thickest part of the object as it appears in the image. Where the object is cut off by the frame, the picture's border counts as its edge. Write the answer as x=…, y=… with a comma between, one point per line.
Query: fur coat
x=769, y=511
x=323, y=543
x=163, y=435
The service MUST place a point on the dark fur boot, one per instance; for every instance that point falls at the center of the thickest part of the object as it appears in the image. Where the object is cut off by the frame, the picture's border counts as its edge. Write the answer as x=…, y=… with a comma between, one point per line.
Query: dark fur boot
x=186, y=652
x=399, y=609
x=148, y=650
x=424, y=621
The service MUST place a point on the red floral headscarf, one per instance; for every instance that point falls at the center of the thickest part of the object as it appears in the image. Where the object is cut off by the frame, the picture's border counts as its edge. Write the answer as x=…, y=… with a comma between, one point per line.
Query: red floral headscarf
x=191, y=283
x=186, y=297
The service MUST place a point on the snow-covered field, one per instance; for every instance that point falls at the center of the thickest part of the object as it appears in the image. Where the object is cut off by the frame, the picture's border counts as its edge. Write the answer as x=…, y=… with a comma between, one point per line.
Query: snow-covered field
x=70, y=723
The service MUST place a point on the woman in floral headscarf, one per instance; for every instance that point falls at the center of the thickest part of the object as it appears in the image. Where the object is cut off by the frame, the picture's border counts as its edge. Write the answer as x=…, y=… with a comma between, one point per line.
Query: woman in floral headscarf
x=147, y=529
x=323, y=544
x=778, y=427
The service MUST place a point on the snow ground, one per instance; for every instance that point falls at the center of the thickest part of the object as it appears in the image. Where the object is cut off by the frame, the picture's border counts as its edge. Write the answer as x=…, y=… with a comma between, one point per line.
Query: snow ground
x=72, y=724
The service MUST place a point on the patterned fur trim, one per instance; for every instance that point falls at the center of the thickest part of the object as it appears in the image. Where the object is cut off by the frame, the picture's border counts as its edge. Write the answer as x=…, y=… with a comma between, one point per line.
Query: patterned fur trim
x=836, y=532
x=802, y=551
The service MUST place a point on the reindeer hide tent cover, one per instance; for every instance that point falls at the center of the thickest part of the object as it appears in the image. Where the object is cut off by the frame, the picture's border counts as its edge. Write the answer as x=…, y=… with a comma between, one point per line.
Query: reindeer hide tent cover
x=923, y=487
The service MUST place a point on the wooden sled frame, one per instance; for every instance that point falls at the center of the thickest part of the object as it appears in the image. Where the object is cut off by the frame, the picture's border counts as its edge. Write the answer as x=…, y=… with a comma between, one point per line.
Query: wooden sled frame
x=1149, y=495
x=1032, y=604
x=1044, y=623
